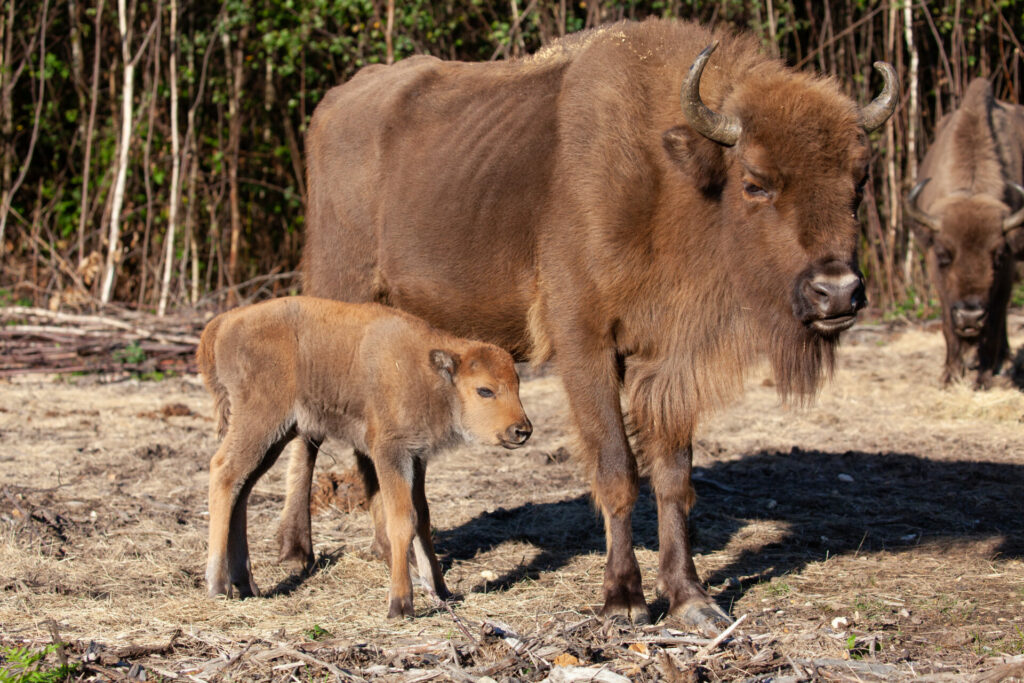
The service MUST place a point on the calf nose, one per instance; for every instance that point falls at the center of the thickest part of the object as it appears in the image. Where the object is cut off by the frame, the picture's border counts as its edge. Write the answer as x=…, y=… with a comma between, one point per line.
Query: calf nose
x=838, y=295
x=519, y=432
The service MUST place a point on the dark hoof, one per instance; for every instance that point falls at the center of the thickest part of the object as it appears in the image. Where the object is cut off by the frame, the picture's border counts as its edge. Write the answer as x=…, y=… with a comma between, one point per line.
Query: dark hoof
x=247, y=590
x=297, y=564
x=400, y=608
x=636, y=613
x=707, y=619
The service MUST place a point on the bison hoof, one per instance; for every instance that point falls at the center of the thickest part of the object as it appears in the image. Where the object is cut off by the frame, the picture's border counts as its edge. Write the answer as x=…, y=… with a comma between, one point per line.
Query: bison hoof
x=247, y=589
x=297, y=564
x=708, y=619
x=635, y=612
x=400, y=608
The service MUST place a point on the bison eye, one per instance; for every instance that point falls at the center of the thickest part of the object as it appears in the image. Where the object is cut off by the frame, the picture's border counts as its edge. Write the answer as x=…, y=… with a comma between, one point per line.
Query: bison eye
x=485, y=392
x=943, y=257
x=755, y=191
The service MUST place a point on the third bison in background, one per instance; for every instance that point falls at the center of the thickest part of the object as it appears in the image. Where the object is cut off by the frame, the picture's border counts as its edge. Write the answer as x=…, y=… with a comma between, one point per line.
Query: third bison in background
x=654, y=228
x=969, y=206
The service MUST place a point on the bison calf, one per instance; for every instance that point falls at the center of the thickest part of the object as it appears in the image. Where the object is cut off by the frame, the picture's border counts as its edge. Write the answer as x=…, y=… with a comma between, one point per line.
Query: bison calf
x=380, y=380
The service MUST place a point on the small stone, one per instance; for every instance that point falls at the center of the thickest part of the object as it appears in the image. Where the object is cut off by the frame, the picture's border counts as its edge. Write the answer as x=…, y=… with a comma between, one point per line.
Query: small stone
x=840, y=623
x=845, y=478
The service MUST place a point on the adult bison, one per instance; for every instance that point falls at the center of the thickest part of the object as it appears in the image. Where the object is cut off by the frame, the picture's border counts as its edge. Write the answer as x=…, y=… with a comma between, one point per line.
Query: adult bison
x=969, y=207
x=586, y=204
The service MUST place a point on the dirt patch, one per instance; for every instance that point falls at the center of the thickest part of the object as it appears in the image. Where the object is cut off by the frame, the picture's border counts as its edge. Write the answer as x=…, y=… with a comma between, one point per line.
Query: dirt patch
x=342, y=491
x=878, y=535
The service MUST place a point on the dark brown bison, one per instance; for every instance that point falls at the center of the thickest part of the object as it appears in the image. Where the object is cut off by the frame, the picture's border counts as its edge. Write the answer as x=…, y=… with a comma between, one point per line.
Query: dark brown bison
x=652, y=217
x=969, y=209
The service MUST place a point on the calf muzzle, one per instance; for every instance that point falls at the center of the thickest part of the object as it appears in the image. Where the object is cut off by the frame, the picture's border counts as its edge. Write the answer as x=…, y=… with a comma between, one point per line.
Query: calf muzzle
x=516, y=435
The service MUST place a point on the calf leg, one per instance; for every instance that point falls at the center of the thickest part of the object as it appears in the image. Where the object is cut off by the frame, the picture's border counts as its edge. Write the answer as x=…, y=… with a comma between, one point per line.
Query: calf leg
x=428, y=568
x=380, y=548
x=395, y=475
x=294, y=535
x=243, y=458
x=677, y=575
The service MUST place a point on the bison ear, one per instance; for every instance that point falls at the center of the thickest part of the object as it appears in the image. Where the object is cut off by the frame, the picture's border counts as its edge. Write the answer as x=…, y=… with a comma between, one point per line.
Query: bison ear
x=1015, y=240
x=698, y=157
x=924, y=236
x=445, y=363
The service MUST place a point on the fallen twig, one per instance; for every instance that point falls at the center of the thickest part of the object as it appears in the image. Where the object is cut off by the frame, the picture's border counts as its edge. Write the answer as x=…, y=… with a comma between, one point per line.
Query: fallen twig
x=710, y=647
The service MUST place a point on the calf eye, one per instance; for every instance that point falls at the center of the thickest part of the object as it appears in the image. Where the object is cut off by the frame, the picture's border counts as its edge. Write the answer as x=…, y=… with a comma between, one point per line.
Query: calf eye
x=485, y=392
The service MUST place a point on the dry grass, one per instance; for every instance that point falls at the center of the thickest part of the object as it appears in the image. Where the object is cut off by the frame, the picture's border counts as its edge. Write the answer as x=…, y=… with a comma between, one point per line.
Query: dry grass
x=908, y=564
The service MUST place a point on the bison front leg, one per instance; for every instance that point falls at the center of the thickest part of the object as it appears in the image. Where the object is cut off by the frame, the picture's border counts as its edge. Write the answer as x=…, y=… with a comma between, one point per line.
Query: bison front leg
x=427, y=566
x=395, y=475
x=380, y=548
x=294, y=534
x=954, y=367
x=677, y=575
x=592, y=384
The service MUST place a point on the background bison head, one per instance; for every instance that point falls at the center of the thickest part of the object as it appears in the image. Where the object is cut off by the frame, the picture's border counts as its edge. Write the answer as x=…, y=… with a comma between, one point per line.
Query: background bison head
x=972, y=241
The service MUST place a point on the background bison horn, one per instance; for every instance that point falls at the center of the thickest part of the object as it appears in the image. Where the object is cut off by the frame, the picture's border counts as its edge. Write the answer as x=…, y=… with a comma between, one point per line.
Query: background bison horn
x=917, y=214
x=881, y=108
x=1014, y=219
x=712, y=125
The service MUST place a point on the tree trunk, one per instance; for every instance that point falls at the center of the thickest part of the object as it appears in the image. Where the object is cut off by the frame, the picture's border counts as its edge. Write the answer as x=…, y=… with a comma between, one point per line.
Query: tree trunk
x=124, y=142
x=236, y=73
x=90, y=127
x=912, y=117
x=172, y=211
x=11, y=188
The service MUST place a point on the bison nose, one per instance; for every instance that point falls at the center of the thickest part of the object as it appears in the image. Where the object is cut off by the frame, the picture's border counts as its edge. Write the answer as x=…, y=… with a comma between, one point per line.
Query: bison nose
x=968, y=317
x=518, y=433
x=838, y=295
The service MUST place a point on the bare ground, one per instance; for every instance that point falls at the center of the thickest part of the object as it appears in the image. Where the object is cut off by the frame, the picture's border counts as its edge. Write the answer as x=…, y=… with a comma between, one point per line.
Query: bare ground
x=878, y=534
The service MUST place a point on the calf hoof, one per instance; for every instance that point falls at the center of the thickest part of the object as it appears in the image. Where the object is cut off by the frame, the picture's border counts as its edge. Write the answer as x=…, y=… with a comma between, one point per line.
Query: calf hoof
x=706, y=618
x=400, y=608
x=216, y=590
x=246, y=588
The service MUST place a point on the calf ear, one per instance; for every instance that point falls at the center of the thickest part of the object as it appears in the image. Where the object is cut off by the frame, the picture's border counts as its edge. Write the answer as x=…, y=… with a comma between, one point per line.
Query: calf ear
x=701, y=159
x=445, y=363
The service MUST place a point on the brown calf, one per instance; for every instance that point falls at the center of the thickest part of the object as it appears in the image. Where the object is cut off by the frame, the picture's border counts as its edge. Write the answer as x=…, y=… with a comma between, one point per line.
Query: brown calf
x=375, y=378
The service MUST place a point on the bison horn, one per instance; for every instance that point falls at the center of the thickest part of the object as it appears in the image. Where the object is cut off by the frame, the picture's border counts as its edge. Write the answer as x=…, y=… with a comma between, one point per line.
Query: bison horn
x=1014, y=219
x=881, y=108
x=712, y=125
x=917, y=214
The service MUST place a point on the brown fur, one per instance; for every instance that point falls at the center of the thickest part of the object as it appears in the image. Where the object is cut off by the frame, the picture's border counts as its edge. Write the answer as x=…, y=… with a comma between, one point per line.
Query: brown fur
x=561, y=206
x=977, y=151
x=376, y=378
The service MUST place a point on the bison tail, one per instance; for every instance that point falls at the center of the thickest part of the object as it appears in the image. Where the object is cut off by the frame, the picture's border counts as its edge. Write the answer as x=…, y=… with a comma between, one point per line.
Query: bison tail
x=208, y=366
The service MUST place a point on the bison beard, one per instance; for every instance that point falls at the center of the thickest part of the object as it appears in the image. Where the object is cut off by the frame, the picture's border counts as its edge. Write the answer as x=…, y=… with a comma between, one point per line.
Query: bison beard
x=653, y=217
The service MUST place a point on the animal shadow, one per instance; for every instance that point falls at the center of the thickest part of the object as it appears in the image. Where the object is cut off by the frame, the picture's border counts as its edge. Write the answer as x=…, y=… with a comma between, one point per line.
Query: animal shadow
x=883, y=501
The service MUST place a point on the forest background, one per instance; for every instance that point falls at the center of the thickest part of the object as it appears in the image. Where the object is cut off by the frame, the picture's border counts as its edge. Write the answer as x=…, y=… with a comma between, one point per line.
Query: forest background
x=151, y=152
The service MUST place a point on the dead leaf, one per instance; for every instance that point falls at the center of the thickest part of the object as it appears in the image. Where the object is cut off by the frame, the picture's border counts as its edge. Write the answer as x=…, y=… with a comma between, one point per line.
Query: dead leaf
x=565, y=659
